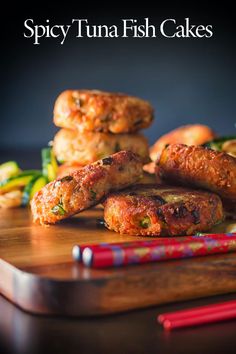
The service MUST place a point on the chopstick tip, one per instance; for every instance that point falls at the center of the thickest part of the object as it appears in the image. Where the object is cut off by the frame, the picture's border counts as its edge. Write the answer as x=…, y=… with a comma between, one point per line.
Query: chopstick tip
x=167, y=325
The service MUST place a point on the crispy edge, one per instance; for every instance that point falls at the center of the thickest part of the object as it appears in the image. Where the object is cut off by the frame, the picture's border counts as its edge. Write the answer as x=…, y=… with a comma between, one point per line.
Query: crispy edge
x=124, y=211
x=74, y=194
x=91, y=110
x=199, y=167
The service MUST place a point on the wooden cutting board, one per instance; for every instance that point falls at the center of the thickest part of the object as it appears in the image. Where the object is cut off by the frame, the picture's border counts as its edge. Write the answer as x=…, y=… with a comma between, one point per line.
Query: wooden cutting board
x=38, y=274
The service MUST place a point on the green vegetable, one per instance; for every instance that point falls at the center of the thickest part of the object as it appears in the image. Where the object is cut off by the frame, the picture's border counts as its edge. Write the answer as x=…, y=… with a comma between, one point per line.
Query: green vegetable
x=18, y=181
x=61, y=161
x=93, y=194
x=34, y=185
x=145, y=222
x=218, y=143
x=200, y=233
x=49, y=163
x=39, y=183
x=9, y=169
x=58, y=209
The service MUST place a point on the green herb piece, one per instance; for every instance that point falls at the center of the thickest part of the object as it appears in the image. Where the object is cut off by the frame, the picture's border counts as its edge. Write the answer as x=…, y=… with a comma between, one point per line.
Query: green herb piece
x=196, y=217
x=9, y=169
x=58, y=209
x=49, y=164
x=217, y=144
x=61, y=161
x=200, y=234
x=145, y=222
x=93, y=194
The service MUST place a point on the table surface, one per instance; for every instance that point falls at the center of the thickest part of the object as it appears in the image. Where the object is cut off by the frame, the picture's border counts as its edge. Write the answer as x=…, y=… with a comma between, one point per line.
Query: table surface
x=133, y=332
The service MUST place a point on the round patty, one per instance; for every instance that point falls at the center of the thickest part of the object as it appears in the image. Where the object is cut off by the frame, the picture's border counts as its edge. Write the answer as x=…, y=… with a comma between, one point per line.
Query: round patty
x=97, y=111
x=85, y=187
x=192, y=134
x=84, y=148
x=200, y=167
x=153, y=210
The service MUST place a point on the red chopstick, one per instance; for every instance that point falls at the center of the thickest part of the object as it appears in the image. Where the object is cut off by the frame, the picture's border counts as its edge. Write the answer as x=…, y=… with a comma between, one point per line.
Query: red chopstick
x=162, y=249
x=199, y=315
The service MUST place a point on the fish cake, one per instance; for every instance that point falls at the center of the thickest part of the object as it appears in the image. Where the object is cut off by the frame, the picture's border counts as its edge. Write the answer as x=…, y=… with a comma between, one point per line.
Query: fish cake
x=97, y=111
x=85, y=187
x=199, y=167
x=192, y=134
x=84, y=148
x=158, y=210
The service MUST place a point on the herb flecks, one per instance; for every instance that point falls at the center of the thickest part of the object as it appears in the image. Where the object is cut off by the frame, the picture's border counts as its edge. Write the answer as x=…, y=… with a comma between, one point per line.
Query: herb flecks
x=93, y=194
x=145, y=222
x=196, y=217
x=62, y=180
x=200, y=234
x=58, y=209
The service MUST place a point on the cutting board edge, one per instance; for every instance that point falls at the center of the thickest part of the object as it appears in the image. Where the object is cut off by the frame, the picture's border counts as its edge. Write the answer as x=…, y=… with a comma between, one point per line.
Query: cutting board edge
x=48, y=296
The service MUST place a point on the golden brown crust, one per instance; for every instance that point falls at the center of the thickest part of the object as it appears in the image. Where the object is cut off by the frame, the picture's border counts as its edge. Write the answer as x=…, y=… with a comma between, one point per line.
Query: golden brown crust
x=97, y=111
x=154, y=210
x=84, y=148
x=85, y=187
x=200, y=167
x=192, y=134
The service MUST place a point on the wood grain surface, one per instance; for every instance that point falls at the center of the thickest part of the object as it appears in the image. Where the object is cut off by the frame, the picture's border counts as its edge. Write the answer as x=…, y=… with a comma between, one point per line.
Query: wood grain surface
x=38, y=274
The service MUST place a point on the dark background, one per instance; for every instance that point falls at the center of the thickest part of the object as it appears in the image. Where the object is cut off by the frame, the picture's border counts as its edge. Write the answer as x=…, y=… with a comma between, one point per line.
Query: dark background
x=186, y=80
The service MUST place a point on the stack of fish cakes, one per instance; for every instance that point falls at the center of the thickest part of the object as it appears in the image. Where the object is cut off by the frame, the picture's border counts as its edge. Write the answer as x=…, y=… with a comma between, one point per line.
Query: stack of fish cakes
x=97, y=124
